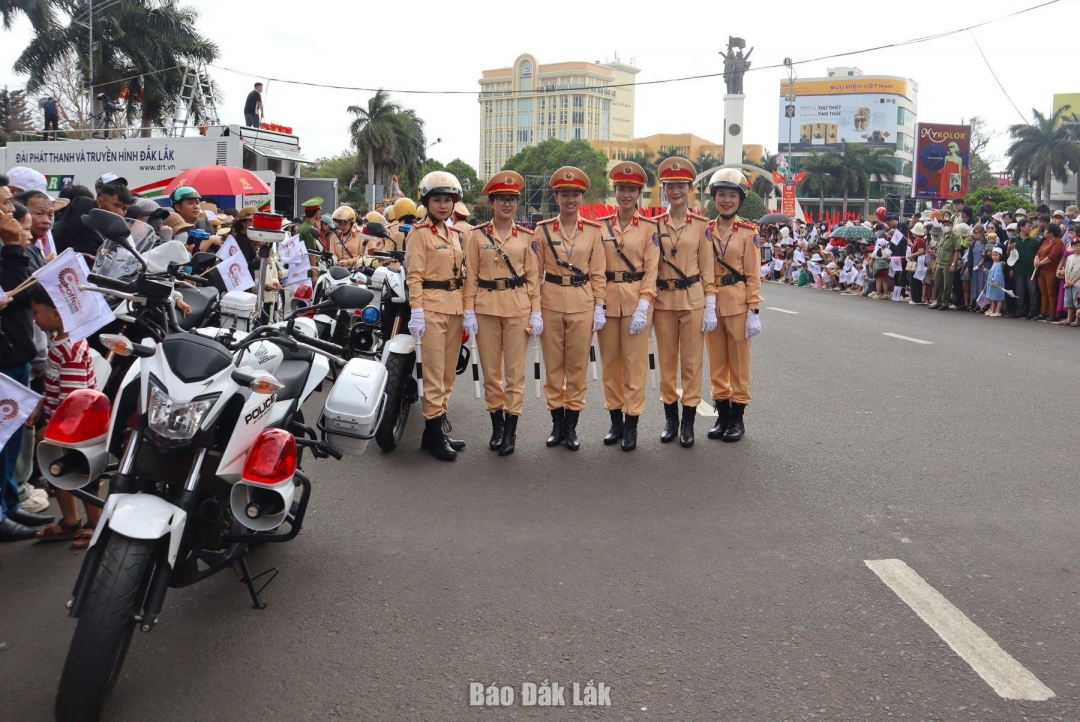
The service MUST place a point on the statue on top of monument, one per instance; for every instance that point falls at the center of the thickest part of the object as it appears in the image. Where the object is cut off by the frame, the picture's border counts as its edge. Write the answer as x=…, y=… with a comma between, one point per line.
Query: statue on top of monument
x=735, y=65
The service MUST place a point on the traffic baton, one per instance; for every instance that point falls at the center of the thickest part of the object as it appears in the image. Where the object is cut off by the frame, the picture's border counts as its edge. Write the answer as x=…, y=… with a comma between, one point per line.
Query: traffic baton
x=536, y=365
x=419, y=371
x=475, y=370
x=592, y=358
x=653, y=383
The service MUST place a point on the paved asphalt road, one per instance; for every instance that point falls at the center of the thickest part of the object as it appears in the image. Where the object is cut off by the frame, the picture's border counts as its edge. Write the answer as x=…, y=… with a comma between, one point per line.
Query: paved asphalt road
x=724, y=582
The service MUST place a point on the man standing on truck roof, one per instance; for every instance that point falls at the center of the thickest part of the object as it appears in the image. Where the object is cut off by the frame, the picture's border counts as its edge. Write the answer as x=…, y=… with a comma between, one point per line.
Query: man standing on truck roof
x=253, y=108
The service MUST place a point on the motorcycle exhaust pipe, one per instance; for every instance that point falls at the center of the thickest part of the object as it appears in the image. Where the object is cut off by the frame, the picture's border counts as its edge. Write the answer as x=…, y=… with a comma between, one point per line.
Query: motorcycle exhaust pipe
x=69, y=469
x=260, y=507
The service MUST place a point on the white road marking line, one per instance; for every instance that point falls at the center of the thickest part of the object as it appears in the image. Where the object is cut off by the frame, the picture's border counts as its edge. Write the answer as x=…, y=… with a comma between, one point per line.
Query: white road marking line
x=1009, y=678
x=704, y=408
x=908, y=338
x=781, y=310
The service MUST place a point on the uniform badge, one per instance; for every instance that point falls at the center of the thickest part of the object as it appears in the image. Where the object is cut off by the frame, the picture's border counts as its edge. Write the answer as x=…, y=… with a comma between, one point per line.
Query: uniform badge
x=708, y=234
x=676, y=166
x=656, y=239
x=535, y=248
x=569, y=175
x=628, y=170
x=757, y=240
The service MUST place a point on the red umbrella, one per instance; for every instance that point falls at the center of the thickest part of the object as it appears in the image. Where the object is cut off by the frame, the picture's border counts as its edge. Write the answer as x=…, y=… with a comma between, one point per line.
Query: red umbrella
x=220, y=180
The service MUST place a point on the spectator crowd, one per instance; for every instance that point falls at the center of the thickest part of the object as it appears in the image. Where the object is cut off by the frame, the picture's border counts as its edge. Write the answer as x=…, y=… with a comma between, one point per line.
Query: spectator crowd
x=999, y=264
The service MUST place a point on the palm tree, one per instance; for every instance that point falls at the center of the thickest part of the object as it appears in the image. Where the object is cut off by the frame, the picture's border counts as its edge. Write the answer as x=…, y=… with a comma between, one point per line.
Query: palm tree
x=411, y=147
x=876, y=163
x=849, y=171
x=821, y=171
x=647, y=160
x=141, y=48
x=374, y=129
x=40, y=13
x=1043, y=149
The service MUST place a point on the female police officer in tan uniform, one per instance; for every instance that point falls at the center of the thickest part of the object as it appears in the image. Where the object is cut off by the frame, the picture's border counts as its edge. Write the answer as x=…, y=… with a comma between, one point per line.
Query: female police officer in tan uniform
x=502, y=305
x=435, y=276
x=631, y=252
x=685, y=300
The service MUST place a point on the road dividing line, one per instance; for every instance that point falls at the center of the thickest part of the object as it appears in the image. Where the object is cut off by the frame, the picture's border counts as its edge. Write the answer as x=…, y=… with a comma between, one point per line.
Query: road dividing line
x=998, y=669
x=781, y=310
x=907, y=338
x=704, y=408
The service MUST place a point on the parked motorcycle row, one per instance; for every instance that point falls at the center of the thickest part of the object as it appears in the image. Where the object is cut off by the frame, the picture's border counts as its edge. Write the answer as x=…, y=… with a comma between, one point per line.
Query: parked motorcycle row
x=199, y=430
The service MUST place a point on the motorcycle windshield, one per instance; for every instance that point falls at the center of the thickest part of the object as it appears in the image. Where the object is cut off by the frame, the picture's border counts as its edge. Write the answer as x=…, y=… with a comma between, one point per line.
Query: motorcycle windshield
x=115, y=261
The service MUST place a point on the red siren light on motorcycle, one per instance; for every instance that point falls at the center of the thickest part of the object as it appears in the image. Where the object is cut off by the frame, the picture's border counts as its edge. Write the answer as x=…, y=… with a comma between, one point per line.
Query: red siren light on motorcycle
x=267, y=221
x=83, y=416
x=304, y=292
x=272, y=459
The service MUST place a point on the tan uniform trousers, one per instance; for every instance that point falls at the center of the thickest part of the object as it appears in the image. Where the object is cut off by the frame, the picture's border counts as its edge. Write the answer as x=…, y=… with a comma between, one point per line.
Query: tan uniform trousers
x=565, y=343
x=503, y=346
x=678, y=333
x=624, y=359
x=729, y=360
x=440, y=346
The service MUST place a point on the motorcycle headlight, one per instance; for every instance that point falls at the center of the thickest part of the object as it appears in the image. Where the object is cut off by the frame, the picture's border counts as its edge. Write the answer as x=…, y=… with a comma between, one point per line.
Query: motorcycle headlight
x=370, y=315
x=172, y=419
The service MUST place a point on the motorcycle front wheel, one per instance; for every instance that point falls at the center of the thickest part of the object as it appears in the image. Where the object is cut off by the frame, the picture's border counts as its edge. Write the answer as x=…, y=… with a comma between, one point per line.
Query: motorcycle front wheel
x=399, y=398
x=105, y=627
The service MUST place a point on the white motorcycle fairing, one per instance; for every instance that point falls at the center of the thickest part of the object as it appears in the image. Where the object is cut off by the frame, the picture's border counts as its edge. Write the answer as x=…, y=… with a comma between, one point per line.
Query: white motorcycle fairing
x=143, y=516
x=403, y=344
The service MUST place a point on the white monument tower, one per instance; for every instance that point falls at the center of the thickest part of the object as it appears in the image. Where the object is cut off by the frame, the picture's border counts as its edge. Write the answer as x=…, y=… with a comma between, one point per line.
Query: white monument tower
x=736, y=63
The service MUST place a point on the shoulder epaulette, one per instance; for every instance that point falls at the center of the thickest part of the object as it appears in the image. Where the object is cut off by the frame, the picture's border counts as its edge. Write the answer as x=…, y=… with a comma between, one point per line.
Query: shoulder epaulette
x=586, y=221
x=697, y=216
x=421, y=224
x=741, y=223
x=523, y=228
x=547, y=220
x=605, y=218
x=650, y=220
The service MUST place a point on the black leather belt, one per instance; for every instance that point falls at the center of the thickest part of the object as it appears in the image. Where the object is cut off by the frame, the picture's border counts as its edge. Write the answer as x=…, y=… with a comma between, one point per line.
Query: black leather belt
x=624, y=276
x=501, y=284
x=664, y=284
x=451, y=285
x=730, y=279
x=558, y=280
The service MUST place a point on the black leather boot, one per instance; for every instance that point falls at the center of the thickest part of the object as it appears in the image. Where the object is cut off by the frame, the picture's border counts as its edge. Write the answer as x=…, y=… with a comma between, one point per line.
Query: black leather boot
x=572, y=442
x=629, y=435
x=558, y=427
x=735, y=430
x=671, y=423
x=509, y=437
x=686, y=431
x=435, y=441
x=723, y=419
x=455, y=444
x=615, y=433
x=497, y=425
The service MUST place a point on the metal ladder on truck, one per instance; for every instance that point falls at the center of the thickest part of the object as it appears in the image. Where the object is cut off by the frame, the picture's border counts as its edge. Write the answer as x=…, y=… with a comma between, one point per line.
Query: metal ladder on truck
x=195, y=91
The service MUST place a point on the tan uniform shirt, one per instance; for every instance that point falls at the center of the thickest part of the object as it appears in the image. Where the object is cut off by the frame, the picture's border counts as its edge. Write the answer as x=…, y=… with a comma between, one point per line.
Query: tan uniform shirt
x=349, y=247
x=432, y=253
x=397, y=238
x=638, y=242
x=738, y=247
x=688, y=248
x=484, y=261
x=581, y=246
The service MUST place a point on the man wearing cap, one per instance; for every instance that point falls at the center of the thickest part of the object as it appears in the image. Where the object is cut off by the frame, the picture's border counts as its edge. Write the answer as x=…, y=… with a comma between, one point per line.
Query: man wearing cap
x=632, y=253
x=109, y=178
x=186, y=203
x=685, y=300
x=311, y=234
x=502, y=305
x=948, y=260
x=737, y=263
x=1071, y=213
x=22, y=179
x=571, y=259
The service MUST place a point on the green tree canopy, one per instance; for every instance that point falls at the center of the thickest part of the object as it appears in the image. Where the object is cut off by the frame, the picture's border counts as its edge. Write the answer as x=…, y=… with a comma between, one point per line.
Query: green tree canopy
x=547, y=157
x=14, y=112
x=469, y=180
x=1005, y=199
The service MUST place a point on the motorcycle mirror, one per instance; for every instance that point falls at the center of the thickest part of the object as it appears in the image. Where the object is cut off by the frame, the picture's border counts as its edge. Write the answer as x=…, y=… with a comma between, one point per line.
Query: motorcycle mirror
x=204, y=259
x=113, y=228
x=377, y=229
x=350, y=297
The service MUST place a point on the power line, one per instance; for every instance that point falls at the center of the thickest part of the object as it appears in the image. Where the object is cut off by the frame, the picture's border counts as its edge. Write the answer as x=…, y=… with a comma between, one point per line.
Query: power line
x=898, y=44
x=996, y=80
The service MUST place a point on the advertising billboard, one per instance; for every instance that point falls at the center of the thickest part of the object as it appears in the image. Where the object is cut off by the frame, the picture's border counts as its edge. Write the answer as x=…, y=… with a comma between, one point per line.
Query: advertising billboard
x=941, y=161
x=825, y=113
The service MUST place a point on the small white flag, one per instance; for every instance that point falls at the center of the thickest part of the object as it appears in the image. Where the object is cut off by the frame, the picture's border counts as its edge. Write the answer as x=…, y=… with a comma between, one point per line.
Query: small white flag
x=82, y=312
x=16, y=404
x=1014, y=256
x=299, y=268
x=291, y=248
x=233, y=267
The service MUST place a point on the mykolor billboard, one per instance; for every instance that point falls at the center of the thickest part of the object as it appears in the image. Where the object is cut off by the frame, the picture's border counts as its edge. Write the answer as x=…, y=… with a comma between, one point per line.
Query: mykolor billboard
x=826, y=113
x=941, y=161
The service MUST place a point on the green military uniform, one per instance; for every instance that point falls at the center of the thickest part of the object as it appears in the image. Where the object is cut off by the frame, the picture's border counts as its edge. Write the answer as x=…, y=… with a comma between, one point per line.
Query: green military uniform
x=309, y=229
x=943, y=275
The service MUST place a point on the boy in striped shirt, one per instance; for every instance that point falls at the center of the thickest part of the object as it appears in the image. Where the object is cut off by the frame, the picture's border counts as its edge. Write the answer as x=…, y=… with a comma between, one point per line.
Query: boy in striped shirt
x=68, y=367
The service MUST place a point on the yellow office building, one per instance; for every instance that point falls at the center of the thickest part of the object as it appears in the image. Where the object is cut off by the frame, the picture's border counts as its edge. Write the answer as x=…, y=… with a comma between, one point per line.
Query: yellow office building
x=527, y=103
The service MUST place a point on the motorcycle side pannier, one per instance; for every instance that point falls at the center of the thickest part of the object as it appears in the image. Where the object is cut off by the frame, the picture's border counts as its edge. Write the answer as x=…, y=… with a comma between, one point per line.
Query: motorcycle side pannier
x=238, y=310
x=354, y=406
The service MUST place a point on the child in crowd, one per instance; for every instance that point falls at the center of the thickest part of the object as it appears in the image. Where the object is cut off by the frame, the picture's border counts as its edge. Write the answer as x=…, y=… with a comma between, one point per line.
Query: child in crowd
x=1072, y=280
x=881, y=256
x=68, y=367
x=995, y=288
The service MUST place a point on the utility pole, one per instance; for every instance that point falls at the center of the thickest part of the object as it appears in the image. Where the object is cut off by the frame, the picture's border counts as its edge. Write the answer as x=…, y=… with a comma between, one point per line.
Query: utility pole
x=90, y=25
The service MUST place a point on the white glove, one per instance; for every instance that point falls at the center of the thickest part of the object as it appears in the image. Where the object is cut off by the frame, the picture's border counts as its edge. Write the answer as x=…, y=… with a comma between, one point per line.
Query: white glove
x=753, y=324
x=416, y=323
x=536, y=320
x=708, y=321
x=640, y=318
x=599, y=318
x=470, y=324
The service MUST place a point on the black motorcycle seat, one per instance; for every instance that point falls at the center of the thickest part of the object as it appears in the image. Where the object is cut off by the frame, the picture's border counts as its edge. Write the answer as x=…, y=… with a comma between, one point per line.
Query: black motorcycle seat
x=199, y=299
x=338, y=273
x=293, y=374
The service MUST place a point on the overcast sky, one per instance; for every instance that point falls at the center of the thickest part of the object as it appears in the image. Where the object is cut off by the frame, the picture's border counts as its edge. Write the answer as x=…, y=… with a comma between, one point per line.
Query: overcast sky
x=338, y=43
